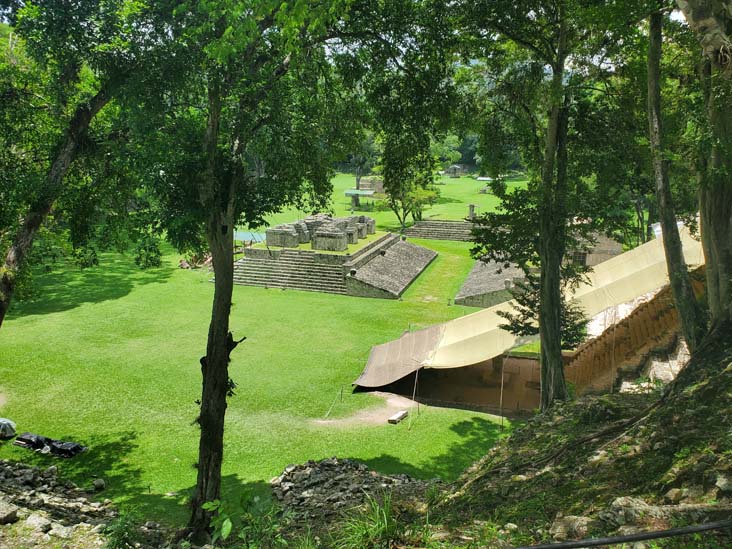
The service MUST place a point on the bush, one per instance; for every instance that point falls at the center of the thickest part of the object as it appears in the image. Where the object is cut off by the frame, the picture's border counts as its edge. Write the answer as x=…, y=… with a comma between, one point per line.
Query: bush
x=259, y=527
x=375, y=528
x=123, y=533
x=85, y=257
x=147, y=253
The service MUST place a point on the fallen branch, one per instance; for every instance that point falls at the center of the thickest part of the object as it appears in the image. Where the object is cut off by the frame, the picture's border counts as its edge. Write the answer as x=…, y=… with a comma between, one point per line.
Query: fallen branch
x=615, y=540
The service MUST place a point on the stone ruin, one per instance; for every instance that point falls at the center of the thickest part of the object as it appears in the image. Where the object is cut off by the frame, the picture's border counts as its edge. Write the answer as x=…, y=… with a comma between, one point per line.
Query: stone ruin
x=324, y=232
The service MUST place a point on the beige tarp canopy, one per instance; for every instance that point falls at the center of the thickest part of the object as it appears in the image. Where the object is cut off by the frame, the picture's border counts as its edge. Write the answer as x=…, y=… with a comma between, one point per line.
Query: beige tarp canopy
x=476, y=337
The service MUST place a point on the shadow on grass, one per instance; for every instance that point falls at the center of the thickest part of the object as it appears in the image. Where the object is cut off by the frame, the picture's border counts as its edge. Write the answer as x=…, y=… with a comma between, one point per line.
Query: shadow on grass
x=447, y=200
x=67, y=287
x=108, y=458
x=477, y=437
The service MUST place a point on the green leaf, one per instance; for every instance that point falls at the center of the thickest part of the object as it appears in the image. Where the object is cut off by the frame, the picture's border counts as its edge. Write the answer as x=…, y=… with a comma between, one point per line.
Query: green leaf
x=211, y=505
x=226, y=528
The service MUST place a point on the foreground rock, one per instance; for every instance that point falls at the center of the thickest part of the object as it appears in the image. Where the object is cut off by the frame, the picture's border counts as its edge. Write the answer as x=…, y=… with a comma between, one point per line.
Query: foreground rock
x=330, y=488
x=38, y=509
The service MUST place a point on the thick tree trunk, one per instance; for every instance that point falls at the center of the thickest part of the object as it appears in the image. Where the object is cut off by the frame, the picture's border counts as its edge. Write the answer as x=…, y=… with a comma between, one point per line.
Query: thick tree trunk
x=552, y=221
x=217, y=198
x=22, y=243
x=715, y=201
x=693, y=324
x=711, y=20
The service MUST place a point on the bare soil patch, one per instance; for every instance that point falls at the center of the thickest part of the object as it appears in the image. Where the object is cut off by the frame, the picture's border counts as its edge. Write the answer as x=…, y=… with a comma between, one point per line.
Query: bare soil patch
x=372, y=416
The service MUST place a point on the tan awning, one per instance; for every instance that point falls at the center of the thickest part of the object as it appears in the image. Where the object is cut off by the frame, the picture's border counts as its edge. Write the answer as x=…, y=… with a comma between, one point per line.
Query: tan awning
x=399, y=358
x=476, y=337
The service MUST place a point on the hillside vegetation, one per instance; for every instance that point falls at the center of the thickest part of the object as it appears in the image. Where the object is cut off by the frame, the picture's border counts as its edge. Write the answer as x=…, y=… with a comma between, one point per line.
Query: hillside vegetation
x=612, y=464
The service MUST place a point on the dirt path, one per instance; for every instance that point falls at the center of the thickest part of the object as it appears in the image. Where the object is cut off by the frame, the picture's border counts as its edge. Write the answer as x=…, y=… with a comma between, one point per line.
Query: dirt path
x=372, y=416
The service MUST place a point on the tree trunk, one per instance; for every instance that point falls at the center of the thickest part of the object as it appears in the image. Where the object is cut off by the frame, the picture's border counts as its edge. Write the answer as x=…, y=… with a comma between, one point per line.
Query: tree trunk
x=215, y=373
x=552, y=220
x=355, y=199
x=715, y=202
x=711, y=20
x=692, y=320
x=217, y=198
x=22, y=243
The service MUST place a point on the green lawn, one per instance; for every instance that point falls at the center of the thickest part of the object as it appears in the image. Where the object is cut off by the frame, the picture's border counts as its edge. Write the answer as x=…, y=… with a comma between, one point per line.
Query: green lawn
x=455, y=195
x=109, y=357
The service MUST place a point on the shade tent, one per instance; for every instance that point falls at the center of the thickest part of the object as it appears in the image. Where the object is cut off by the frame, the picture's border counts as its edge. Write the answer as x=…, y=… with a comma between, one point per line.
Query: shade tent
x=477, y=338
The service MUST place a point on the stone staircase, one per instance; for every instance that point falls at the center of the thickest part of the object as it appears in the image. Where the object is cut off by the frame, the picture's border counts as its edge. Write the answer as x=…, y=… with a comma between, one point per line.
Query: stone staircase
x=621, y=351
x=294, y=270
x=440, y=230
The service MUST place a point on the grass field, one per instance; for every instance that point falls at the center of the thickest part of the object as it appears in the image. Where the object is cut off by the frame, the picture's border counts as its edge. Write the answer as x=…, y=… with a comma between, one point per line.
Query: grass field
x=109, y=357
x=455, y=195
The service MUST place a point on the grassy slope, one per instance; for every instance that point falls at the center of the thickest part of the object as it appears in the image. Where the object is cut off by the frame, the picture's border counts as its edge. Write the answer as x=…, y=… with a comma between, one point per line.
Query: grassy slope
x=578, y=459
x=109, y=357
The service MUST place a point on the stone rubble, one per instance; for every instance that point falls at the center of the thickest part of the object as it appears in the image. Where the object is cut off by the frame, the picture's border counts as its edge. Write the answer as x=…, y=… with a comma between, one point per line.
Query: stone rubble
x=328, y=488
x=45, y=507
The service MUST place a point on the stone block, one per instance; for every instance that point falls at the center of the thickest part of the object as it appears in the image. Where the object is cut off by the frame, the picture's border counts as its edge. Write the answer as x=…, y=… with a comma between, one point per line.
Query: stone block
x=302, y=232
x=362, y=230
x=340, y=223
x=370, y=225
x=284, y=236
x=331, y=241
x=352, y=233
x=314, y=222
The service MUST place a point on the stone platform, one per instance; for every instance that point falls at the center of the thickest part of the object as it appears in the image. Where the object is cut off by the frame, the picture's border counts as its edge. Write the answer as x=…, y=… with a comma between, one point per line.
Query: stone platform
x=485, y=286
x=441, y=230
x=383, y=269
x=390, y=273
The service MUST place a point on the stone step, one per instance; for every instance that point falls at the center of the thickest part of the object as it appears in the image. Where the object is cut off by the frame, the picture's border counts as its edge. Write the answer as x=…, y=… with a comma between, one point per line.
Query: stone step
x=294, y=280
x=441, y=227
x=430, y=230
x=459, y=224
x=288, y=275
x=299, y=270
x=290, y=280
x=440, y=236
x=286, y=262
x=451, y=233
x=312, y=288
x=289, y=264
x=292, y=270
x=265, y=280
x=436, y=230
